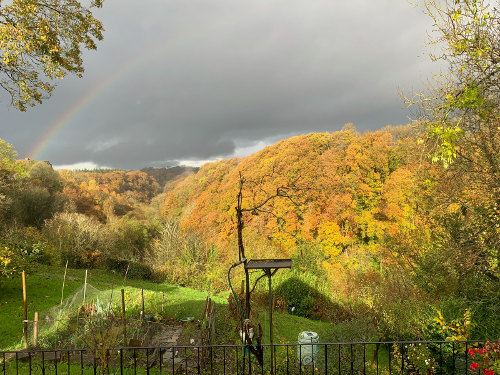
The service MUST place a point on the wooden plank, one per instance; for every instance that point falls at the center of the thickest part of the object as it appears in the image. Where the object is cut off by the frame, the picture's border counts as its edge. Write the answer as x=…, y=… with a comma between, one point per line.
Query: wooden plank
x=262, y=264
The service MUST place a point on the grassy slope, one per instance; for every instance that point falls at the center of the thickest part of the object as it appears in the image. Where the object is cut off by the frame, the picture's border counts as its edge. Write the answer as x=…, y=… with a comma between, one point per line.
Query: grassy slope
x=287, y=327
x=44, y=292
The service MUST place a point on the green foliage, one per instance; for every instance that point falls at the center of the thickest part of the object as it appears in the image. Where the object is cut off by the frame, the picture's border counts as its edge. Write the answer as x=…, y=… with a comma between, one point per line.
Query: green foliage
x=303, y=288
x=43, y=173
x=10, y=173
x=20, y=250
x=464, y=104
x=358, y=329
x=33, y=205
x=99, y=333
x=454, y=330
x=447, y=138
x=416, y=358
x=133, y=270
x=80, y=239
x=42, y=41
x=298, y=295
x=8, y=157
x=133, y=238
x=10, y=262
x=182, y=256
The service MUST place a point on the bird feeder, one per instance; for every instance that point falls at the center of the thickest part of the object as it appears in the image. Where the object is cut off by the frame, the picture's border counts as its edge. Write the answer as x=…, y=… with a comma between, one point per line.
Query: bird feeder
x=270, y=267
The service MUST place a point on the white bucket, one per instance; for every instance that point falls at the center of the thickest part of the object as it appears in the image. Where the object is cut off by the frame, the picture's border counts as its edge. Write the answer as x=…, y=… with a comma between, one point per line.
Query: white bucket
x=308, y=353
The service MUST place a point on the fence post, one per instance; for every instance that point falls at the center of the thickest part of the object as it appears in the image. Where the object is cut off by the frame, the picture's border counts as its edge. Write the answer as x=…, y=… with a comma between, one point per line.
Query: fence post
x=64, y=281
x=25, y=307
x=142, y=305
x=84, y=288
x=124, y=318
x=35, y=330
x=62, y=295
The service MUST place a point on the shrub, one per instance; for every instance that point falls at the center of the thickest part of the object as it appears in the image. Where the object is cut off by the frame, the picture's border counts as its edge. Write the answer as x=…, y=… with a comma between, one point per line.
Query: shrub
x=135, y=270
x=81, y=239
x=19, y=250
x=182, y=256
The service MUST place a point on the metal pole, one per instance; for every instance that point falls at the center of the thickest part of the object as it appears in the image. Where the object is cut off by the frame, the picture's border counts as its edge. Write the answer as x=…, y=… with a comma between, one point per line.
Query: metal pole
x=268, y=272
x=124, y=318
x=142, y=305
x=84, y=288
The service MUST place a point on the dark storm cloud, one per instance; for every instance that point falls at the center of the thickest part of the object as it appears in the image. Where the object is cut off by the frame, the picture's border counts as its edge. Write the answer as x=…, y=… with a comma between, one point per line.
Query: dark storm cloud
x=206, y=78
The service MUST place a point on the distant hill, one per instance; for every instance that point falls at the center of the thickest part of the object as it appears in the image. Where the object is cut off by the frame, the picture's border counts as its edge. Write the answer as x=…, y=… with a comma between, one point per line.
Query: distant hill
x=169, y=175
x=354, y=189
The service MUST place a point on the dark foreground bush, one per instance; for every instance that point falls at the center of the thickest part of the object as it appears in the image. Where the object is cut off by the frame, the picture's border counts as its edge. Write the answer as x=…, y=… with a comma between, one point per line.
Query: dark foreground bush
x=303, y=300
x=135, y=270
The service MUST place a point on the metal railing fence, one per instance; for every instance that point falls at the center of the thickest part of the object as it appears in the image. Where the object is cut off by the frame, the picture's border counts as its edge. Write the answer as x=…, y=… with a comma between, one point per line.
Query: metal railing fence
x=347, y=358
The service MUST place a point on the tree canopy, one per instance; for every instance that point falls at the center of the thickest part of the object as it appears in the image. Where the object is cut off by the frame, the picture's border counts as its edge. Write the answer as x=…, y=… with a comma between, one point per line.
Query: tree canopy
x=40, y=41
x=462, y=107
x=462, y=112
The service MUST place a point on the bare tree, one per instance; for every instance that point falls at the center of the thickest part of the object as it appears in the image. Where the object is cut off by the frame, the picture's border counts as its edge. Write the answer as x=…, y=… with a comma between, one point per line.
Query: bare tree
x=261, y=198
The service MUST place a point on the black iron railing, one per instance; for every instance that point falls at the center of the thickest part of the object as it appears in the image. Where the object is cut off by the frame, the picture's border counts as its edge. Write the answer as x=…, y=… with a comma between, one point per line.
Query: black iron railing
x=373, y=358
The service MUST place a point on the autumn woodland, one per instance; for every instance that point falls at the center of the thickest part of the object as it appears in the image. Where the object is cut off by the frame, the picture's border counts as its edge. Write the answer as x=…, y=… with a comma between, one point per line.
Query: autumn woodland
x=381, y=238
x=393, y=233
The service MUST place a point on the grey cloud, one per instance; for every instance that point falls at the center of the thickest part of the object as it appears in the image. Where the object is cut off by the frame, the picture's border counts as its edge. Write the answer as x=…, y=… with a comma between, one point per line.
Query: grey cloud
x=208, y=73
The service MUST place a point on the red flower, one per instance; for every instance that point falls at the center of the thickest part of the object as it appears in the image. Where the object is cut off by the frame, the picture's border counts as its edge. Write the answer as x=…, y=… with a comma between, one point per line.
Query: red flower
x=474, y=366
x=472, y=352
x=488, y=372
x=480, y=351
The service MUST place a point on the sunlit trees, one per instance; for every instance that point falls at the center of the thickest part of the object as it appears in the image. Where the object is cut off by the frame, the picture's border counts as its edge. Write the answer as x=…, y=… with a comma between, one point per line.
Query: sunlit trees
x=183, y=256
x=41, y=41
x=461, y=117
x=7, y=161
x=36, y=197
x=462, y=107
x=43, y=174
x=79, y=239
x=462, y=110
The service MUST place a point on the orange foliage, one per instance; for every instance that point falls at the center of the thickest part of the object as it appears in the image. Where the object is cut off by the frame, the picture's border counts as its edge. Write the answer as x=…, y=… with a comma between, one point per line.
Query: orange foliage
x=356, y=189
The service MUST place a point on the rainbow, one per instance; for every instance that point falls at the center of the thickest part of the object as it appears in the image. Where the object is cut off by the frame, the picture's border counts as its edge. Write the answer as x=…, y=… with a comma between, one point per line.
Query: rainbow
x=77, y=107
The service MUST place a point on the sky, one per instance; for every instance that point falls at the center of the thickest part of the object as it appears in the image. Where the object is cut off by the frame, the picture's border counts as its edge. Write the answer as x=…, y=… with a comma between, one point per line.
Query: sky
x=187, y=81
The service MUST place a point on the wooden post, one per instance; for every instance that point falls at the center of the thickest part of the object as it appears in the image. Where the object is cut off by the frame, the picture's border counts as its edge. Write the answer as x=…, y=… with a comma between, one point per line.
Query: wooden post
x=162, y=301
x=124, y=318
x=85, y=288
x=62, y=296
x=25, y=307
x=35, y=330
x=111, y=298
x=205, y=308
x=126, y=273
x=64, y=281
x=142, y=304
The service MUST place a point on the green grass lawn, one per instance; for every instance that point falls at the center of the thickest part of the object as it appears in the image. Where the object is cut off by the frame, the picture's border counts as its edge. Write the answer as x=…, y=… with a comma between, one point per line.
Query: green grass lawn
x=286, y=328
x=165, y=301
x=44, y=286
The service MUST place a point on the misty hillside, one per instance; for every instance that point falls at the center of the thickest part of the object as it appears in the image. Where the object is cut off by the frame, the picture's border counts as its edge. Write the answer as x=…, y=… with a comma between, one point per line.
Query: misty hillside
x=169, y=175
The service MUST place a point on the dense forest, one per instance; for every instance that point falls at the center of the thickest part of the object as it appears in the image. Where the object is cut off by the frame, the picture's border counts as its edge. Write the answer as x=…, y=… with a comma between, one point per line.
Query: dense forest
x=393, y=234
x=382, y=239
